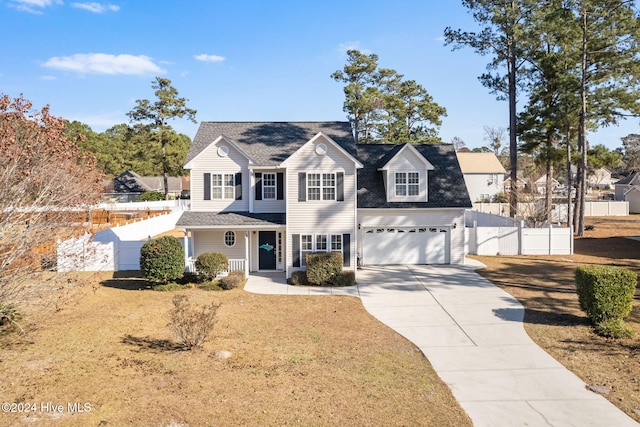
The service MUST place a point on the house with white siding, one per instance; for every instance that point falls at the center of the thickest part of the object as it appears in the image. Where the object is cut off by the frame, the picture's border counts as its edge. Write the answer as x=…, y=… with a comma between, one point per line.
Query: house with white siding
x=483, y=174
x=268, y=194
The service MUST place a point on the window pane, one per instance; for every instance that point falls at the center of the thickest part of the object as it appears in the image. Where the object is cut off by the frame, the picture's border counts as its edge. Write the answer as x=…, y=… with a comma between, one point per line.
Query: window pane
x=414, y=177
x=216, y=180
x=313, y=180
x=328, y=180
x=321, y=242
x=216, y=193
x=306, y=242
x=228, y=179
x=336, y=242
x=229, y=238
x=328, y=194
x=414, y=190
x=401, y=178
x=314, y=194
x=229, y=193
x=401, y=190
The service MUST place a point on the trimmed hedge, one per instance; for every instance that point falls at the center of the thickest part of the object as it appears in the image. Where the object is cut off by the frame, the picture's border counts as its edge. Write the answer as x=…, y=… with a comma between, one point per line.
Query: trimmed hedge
x=151, y=196
x=323, y=267
x=344, y=278
x=233, y=280
x=162, y=259
x=299, y=278
x=606, y=294
x=210, y=264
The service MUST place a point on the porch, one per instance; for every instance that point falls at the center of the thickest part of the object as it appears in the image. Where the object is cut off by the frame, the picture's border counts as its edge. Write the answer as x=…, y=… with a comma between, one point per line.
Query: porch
x=234, y=264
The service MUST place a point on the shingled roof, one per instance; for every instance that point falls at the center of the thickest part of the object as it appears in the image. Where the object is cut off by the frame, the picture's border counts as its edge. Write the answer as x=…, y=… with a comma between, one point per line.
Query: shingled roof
x=270, y=143
x=446, y=183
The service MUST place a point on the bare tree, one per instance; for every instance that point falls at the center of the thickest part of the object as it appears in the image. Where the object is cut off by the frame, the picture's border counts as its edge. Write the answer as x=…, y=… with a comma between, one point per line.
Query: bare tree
x=494, y=135
x=46, y=184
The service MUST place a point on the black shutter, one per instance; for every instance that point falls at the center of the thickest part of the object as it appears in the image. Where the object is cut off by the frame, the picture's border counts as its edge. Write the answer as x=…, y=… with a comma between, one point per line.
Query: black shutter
x=238, y=186
x=346, y=249
x=340, y=186
x=258, y=185
x=280, y=186
x=295, y=251
x=302, y=186
x=207, y=186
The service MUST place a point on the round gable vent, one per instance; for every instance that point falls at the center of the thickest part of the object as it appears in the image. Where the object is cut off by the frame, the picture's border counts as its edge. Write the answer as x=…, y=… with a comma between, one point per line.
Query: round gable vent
x=223, y=151
x=321, y=149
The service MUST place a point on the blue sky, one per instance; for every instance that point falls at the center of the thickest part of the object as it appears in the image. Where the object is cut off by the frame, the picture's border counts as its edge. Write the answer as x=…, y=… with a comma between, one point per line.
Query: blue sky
x=241, y=60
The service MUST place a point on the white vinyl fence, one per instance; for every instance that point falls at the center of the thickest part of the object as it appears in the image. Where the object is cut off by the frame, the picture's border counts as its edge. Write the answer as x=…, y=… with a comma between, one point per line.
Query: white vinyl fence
x=113, y=249
x=518, y=240
x=559, y=210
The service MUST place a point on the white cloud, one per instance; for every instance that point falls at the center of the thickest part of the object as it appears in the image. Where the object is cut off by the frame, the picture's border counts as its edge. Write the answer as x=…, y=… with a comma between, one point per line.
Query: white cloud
x=100, y=122
x=33, y=6
x=209, y=58
x=344, y=47
x=102, y=63
x=96, y=7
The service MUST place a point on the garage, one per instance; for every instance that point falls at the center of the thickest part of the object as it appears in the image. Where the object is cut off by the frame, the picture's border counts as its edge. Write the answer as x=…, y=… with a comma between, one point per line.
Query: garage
x=406, y=245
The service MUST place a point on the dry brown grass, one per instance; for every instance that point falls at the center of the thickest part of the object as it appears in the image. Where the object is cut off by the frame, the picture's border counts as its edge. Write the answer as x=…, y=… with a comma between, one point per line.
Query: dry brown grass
x=296, y=360
x=545, y=286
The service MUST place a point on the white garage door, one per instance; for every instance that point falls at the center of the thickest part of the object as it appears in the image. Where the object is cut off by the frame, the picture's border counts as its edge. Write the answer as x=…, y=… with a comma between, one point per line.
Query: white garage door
x=393, y=245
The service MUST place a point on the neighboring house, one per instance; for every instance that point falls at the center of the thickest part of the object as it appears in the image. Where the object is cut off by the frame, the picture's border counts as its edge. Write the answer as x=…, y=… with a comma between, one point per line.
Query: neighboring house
x=541, y=184
x=521, y=183
x=483, y=175
x=268, y=194
x=601, y=178
x=628, y=190
x=131, y=185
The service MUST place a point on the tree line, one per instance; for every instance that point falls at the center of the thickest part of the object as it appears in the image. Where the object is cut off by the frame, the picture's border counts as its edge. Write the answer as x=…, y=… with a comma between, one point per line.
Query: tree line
x=574, y=63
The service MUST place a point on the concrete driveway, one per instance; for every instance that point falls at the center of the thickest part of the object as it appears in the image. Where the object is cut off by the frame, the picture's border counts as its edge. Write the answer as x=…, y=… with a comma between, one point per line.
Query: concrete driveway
x=472, y=334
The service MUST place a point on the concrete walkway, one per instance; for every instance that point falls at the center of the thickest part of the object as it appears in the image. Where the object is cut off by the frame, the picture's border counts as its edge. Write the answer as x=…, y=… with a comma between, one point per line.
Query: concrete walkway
x=472, y=334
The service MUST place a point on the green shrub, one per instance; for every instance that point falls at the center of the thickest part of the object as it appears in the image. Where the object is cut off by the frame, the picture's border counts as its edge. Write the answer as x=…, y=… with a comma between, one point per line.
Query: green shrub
x=299, y=278
x=210, y=264
x=344, y=278
x=170, y=287
x=210, y=285
x=605, y=293
x=162, y=259
x=233, y=280
x=614, y=328
x=151, y=196
x=322, y=267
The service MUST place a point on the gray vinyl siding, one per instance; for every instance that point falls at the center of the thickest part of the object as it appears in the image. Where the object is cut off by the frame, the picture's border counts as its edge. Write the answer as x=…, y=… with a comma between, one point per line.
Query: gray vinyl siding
x=418, y=217
x=210, y=162
x=320, y=216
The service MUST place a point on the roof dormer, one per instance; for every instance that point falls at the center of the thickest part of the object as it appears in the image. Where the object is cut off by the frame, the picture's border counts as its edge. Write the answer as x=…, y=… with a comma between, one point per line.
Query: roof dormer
x=405, y=176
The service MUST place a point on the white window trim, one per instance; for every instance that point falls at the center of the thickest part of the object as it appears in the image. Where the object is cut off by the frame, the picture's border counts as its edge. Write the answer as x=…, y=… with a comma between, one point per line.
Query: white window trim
x=406, y=185
x=265, y=186
x=314, y=245
x=223, y=187
x=322, y=187
x=233, y=233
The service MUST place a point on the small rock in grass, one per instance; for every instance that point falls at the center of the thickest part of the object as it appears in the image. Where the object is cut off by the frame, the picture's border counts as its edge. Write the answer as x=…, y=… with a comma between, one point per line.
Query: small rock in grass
x=600, y=389
x=223, y=354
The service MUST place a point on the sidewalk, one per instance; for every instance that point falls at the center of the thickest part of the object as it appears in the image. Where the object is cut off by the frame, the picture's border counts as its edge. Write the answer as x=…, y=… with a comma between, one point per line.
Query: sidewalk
x=472, y=334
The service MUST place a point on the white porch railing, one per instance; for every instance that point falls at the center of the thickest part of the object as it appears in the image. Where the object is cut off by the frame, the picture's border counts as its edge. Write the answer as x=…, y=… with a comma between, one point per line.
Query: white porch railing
x=233, y=264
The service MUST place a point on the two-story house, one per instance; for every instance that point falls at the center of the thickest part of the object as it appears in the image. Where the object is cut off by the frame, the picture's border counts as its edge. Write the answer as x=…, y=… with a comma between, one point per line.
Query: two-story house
x=483, y=174
x=268, y=194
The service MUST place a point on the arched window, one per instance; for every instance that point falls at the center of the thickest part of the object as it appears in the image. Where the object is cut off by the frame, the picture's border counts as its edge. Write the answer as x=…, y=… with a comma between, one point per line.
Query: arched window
x=229, y=238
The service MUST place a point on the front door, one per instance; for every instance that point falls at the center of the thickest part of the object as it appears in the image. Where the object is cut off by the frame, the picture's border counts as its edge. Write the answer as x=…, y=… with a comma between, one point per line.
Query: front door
x=267, y=250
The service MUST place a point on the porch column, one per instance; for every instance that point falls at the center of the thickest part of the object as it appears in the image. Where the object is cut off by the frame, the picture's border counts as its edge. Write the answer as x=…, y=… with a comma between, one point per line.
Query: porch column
x=246, y=254
x=186, y=248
